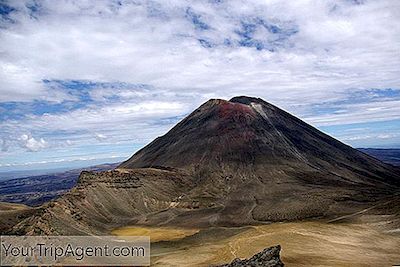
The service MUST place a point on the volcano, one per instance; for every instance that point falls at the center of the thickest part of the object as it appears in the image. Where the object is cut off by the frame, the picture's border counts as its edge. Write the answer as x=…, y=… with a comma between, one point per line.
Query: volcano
x=229, y=163
x=250, y=136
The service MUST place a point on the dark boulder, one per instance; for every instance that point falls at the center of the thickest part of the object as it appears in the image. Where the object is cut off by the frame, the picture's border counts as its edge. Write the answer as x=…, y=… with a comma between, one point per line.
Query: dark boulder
x=269, y=257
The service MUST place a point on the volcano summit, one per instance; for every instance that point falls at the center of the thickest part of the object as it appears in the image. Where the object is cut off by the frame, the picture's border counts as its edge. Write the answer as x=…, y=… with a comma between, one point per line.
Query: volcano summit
x=229, y=163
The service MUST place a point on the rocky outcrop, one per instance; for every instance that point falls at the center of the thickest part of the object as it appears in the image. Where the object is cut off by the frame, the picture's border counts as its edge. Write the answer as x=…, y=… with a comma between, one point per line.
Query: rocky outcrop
x=269, y=257
x=102, y=201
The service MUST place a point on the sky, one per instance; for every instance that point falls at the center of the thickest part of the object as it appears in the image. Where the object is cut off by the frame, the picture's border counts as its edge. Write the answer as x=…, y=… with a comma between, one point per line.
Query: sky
x=93, y=81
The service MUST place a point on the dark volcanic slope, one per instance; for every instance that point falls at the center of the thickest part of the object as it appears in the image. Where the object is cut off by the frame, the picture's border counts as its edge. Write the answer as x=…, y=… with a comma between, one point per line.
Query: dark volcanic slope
x=236, y=162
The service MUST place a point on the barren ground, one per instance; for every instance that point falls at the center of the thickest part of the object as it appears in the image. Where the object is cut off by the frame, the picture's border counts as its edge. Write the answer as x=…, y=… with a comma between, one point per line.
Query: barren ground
x=303, y=244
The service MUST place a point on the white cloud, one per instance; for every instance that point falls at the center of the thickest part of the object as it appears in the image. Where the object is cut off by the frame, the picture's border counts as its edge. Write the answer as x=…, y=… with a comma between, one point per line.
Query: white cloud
x=100, y=137
x=386, y=136
x=15, y=164
x=32, y=144
x=107, y=117
x=130, y=121
x=359, y=113
x=369, y=136
x=338, y=46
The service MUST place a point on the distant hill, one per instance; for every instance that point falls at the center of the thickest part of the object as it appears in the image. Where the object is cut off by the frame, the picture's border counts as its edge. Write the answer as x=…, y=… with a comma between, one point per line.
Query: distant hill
x=391, y=156
x=36, y=190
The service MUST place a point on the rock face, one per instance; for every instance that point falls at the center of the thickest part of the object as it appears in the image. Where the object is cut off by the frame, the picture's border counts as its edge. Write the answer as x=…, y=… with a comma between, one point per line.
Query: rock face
x=269, y=257
x=102, y=201
x=229, y=163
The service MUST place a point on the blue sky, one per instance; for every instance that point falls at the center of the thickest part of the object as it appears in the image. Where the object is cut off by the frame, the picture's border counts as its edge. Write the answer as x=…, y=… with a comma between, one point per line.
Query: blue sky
x=93, y=81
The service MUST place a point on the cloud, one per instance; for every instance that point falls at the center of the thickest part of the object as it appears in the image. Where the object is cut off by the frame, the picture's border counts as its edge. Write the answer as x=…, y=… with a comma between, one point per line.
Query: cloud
x=269, y=48
x=129, y=120
x=364, y=137
x=31, y=144
x=4, y=145
x=35, y=163
x=100, y=137
x=359, y=113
